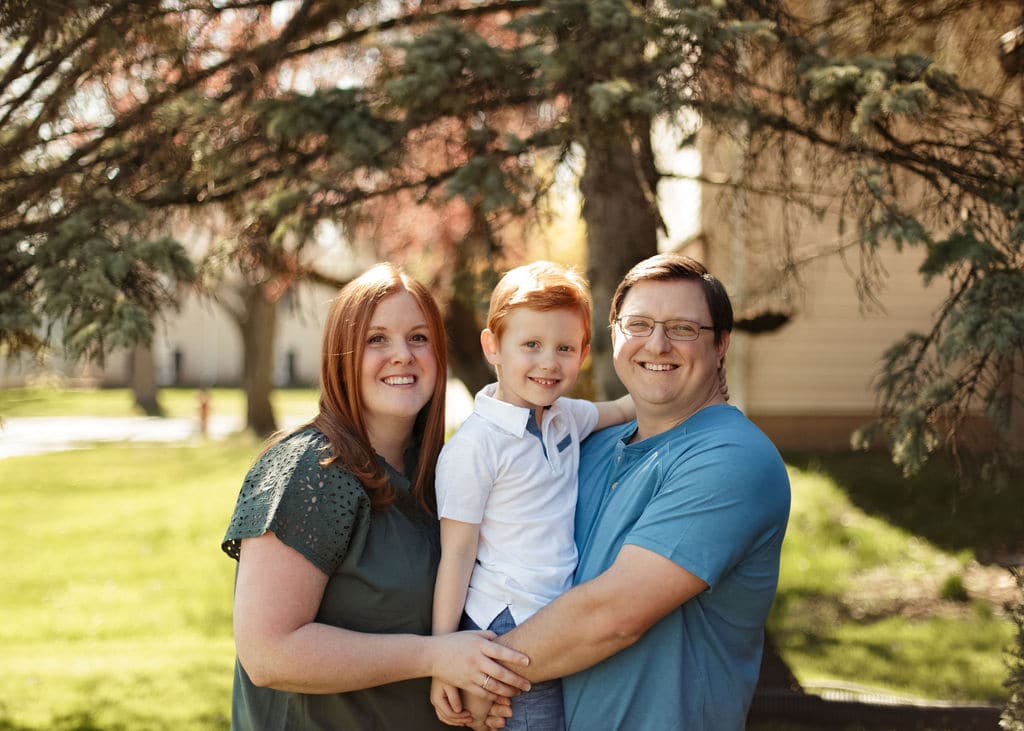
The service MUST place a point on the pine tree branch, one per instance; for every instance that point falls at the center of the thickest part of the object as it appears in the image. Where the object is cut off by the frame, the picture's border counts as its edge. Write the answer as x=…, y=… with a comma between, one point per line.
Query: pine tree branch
x=419, y=18
x=68, y=80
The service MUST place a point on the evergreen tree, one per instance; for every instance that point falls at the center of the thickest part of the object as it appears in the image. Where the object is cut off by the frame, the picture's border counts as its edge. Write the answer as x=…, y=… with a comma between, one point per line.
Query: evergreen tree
x=112, y=110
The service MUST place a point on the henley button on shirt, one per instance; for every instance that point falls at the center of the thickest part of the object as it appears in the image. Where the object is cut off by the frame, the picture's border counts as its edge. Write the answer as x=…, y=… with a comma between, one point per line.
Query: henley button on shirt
x=520, y=487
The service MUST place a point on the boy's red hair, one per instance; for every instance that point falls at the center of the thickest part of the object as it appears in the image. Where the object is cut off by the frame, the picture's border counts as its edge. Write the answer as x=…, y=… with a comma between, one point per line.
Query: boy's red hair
x=543, y=286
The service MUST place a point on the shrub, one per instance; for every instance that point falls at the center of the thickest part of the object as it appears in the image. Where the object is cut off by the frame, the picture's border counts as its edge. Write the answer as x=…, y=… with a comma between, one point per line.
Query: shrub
x=1013, y=714
x=953, y=589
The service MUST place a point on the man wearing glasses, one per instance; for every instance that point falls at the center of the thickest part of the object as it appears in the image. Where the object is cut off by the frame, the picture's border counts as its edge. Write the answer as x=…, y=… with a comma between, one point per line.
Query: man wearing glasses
x=679, y=526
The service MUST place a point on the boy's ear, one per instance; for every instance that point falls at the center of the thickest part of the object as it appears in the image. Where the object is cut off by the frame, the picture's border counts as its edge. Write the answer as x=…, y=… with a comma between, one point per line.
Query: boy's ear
x=490, y=345
x=585, y=352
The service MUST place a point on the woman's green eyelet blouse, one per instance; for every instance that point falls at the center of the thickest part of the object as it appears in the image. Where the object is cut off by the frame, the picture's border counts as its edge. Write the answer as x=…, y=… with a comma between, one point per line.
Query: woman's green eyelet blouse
x=381, y=565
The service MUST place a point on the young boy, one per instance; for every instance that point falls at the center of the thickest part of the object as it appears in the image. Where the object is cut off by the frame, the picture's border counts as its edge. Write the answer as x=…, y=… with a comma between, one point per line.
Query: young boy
x=506, y=481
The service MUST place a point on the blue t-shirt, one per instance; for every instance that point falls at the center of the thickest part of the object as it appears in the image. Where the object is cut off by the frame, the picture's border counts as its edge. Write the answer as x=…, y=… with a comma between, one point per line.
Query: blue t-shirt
x=711, y=495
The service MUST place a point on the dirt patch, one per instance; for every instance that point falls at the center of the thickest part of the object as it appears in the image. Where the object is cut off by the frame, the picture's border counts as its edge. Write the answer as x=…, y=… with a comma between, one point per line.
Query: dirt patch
x=880, y=592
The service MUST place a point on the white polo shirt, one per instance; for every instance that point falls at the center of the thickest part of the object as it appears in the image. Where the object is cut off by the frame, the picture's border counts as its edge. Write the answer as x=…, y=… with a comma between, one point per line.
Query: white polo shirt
x=521, y=489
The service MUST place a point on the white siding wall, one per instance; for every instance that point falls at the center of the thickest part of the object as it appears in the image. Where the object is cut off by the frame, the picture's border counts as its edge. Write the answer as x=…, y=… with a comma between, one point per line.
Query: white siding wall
x=208, y=344
x=825, y=360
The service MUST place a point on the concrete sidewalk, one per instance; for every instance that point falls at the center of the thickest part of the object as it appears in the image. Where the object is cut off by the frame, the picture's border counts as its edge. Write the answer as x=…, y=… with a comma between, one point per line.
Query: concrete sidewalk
x=36, y=435
x=41, y=434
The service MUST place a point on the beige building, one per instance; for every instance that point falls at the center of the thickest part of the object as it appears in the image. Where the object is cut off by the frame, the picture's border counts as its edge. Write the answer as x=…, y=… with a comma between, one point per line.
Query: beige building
x=200, y=346
x=810, y=383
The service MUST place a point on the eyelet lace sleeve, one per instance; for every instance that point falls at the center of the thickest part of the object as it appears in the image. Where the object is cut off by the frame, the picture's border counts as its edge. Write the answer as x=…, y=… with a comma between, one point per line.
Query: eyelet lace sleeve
x=310, y=508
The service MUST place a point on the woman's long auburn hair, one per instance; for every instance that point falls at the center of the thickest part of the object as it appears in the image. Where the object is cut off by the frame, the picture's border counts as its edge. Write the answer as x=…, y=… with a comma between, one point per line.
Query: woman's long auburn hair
x=340, y=417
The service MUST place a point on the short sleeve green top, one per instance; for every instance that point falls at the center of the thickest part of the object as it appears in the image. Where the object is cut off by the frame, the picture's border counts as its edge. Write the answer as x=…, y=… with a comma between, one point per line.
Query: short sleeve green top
x=381, y=567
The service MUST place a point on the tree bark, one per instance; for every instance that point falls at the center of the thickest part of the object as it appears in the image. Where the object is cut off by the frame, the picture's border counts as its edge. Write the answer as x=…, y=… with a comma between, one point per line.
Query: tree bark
x=620, y=211
x=474, y=262
x=464, y=356
x=1011, y=371
x=143, y=375
x=258, y=324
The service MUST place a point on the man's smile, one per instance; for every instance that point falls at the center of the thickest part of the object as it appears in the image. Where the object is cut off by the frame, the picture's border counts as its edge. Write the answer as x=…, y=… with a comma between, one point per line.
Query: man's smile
x=658, y=366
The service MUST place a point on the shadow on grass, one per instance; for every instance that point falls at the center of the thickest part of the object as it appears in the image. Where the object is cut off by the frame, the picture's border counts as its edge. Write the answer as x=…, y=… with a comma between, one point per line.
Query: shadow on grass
x=78, y=721
x=955, y=512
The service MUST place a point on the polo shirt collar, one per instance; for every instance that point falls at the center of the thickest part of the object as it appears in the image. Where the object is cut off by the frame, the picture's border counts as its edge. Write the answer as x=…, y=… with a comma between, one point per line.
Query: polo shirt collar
x=505, y=416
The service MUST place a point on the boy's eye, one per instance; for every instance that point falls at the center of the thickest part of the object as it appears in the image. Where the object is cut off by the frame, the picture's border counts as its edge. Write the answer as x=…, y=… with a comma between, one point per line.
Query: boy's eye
x=565, y=349
x=531, y=344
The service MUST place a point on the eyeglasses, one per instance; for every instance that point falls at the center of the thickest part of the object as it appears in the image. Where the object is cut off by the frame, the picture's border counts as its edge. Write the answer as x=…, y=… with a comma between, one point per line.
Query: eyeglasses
x=638, y=326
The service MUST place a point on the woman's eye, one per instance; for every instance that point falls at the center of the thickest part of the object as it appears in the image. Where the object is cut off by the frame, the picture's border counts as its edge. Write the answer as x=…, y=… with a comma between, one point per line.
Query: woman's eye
x=419, y=338
x=377, y=340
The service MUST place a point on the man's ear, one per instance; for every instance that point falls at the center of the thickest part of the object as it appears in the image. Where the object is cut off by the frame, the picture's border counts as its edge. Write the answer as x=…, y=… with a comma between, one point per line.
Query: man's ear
x=723, y=345
x=491, y=346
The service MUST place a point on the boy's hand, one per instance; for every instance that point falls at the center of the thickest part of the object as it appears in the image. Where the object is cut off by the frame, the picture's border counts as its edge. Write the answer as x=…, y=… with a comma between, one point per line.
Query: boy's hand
x=448, y=704
x=478, y=708
x=500, y=710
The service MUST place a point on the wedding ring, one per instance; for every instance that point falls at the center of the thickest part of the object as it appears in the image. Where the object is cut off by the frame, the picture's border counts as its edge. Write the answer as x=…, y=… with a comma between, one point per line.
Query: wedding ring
x=487, y=679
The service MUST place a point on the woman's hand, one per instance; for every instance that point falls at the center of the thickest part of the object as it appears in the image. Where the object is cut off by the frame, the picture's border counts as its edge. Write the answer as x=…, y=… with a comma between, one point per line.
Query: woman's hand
x=469, y=660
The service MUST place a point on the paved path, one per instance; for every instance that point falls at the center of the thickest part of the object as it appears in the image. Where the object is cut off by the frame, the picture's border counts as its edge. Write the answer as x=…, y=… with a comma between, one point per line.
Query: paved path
x=37, y=435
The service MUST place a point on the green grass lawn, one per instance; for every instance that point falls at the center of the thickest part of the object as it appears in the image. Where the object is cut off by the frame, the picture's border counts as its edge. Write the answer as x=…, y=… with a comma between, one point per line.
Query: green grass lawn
x=176, y=402
x=116, y=610
x=863, y=599
x=117, y=598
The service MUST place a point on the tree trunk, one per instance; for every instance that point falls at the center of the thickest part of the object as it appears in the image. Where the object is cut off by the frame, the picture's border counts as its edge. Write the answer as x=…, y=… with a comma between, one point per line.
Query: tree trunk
x=1011, y=372
x=464, y=355
x=620, y=211
x=473, y=269
x=257, y=324
x=143, y=374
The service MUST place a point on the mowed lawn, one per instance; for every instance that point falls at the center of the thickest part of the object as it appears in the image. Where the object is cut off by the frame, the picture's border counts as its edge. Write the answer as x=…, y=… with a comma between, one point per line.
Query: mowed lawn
x=116, y=610
x=880, y=585
x=176, y=402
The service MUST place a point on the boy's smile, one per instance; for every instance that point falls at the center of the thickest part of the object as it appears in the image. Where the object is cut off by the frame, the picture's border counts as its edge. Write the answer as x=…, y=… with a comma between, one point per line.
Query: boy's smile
x=538, y=357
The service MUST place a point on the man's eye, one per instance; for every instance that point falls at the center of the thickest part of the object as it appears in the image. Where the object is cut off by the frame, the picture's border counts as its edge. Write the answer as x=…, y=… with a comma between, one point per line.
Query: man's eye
x=683, y=328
